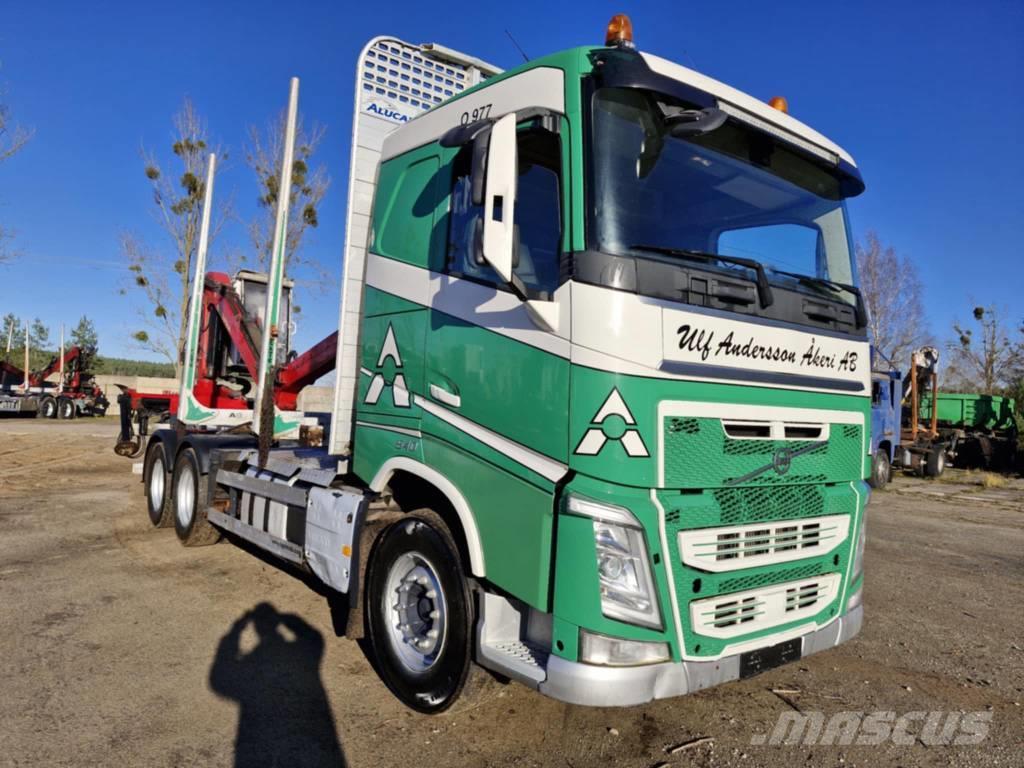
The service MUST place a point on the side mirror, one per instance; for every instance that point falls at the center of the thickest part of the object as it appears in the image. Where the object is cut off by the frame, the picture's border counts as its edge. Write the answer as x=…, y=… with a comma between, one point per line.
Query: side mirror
x=500, y=197
x=478, y=134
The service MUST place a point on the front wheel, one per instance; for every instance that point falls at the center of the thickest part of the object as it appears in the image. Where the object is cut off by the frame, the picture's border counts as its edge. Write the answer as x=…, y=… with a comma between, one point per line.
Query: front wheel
x=419, y=612
x=188, y=501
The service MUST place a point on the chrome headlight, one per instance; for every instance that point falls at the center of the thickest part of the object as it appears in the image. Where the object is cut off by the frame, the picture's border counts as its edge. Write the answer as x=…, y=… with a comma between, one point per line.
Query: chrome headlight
x=624, y=570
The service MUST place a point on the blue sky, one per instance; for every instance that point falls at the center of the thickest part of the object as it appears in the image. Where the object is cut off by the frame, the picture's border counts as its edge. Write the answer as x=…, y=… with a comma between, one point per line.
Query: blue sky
x=928, y=97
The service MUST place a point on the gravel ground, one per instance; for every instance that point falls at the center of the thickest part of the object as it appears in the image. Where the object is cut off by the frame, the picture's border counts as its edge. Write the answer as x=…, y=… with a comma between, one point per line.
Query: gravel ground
x=120, y=647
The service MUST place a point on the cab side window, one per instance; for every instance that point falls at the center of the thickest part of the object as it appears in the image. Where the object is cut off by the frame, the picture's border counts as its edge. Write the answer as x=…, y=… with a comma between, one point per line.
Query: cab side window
x=538, y=217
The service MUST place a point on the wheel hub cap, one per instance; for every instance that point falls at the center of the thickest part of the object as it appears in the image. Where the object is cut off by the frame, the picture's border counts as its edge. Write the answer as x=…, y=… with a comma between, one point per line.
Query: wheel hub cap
x=185, y=496
x=416, y=612
x=156, y=484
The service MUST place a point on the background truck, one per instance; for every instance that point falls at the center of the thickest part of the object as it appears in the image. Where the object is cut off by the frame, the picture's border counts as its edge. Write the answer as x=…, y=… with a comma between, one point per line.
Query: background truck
x=602, y=384
x=968, y=430
x=75, y=393
x=902, y=436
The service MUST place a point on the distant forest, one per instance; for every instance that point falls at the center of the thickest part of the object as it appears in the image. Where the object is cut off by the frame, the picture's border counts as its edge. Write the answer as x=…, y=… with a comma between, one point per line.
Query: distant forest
x=114, y=366
x=123, y=367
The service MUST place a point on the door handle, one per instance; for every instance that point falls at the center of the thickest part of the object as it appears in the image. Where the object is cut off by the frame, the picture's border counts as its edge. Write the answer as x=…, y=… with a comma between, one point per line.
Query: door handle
x=442, y=395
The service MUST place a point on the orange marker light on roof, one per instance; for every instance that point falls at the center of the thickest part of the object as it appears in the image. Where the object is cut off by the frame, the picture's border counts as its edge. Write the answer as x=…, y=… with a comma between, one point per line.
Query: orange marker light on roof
x=620, y=32
x=779, y=103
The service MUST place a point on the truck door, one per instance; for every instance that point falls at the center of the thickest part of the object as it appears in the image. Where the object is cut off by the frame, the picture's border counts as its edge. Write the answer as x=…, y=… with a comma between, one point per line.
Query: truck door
x=488, y=361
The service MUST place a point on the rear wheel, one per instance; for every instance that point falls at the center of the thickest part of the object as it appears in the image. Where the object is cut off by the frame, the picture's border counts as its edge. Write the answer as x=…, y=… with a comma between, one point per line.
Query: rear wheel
x=48, y=408
x=156, y=480
x=419, y=612
x=65, y=408
x=188, y=501
x=936, y=461
x=880, y=470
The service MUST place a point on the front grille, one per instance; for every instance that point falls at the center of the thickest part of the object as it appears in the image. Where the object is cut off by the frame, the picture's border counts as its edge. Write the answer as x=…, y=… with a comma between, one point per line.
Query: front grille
x=707, y=452
x=740, y=583
x=743, y=505
x=741, y=613
x=735, y=547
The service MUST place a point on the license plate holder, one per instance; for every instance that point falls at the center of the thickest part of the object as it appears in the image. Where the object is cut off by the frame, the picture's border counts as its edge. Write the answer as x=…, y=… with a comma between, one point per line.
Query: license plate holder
x=761, y=660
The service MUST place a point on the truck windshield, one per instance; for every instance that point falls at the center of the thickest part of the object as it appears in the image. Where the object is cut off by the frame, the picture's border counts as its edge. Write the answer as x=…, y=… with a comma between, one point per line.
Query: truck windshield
x=732, y=191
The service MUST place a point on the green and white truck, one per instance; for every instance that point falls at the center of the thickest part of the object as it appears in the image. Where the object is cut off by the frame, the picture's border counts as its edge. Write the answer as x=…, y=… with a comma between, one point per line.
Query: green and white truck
x=602, y=389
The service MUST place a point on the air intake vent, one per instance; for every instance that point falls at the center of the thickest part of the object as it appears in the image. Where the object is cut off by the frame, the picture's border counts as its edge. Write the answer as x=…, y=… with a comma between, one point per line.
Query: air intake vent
x=741, y=613
x=803, y=596
x=744, y=546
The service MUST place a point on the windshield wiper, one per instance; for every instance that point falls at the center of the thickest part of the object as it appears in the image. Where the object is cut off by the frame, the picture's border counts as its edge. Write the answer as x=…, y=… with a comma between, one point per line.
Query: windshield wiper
x=860, y=311
x=764, y=290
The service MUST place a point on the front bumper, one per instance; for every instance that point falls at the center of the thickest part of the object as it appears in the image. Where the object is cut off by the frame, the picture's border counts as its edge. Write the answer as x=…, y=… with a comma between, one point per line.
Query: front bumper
x=595, y=686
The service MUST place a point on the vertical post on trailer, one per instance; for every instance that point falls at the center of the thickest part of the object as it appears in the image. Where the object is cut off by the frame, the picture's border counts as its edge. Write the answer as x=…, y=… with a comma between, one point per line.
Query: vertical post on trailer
x=935, y=405
x=195, y=307
x=60, y=381
x=914, y=398
x=7, y=353
x=263, y=416
x=24, y=383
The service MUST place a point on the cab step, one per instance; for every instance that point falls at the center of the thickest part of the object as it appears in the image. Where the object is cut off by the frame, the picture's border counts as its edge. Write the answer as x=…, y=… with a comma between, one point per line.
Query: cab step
x=513, y=639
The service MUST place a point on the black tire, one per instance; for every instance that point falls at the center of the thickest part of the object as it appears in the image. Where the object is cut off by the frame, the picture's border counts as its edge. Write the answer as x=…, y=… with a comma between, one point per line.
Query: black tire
x=47, y=408
x=439, y=681
x=66, y=408
x=936, y=461
x=881, y=470
x=156, y=484
x=188, y=502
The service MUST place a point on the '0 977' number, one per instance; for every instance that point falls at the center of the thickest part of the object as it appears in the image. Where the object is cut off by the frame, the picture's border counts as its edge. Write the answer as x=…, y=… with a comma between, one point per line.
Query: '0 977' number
x=477, y=113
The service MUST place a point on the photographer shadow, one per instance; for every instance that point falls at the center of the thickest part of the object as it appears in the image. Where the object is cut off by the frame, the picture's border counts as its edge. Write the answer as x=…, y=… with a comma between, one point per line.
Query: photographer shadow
x=284, y=715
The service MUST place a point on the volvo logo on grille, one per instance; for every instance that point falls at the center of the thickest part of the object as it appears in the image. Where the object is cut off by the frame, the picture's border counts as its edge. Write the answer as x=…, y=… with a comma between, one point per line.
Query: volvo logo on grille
x=781, y=460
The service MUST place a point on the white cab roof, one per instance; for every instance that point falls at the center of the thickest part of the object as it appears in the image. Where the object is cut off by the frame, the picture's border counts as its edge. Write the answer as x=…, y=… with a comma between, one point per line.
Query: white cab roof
x=747, y=103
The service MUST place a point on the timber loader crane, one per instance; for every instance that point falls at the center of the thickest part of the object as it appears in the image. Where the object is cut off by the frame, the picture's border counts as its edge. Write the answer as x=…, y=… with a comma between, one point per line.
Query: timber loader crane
x=227, y=360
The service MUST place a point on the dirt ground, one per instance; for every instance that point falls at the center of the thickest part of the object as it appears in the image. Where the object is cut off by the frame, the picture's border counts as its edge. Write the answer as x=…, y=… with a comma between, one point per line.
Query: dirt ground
x=120, y=647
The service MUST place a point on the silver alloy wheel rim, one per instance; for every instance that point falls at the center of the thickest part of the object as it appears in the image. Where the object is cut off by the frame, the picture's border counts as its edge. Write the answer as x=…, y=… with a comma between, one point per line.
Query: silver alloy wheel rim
x=415, y=611
x=48, y=408
x=157, y=480
x=185, y=496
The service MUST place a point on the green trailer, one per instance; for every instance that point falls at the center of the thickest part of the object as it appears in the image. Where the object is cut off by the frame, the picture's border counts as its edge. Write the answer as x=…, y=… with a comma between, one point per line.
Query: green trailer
x=971, y=411
x=979, y=430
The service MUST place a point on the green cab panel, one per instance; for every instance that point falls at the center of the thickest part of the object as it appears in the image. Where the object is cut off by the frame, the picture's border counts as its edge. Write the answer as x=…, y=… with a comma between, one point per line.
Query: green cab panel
x=514, y=518
x=616, y=434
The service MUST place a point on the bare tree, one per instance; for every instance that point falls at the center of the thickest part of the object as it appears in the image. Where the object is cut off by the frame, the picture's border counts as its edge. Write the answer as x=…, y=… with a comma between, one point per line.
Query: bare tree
x=13, y=139
x=989, y=361
x=264, y=154
x=893, y=294
x=162, y=278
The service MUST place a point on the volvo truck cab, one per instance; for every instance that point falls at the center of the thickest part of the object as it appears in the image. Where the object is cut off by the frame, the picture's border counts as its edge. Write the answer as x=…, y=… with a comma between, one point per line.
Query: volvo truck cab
x=603, y=394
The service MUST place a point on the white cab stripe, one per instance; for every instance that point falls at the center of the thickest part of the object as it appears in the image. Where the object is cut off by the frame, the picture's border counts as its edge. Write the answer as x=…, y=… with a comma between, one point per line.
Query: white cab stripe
x=390, y=428
x=529, y=458
x=481, y=305
x=612, y=330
